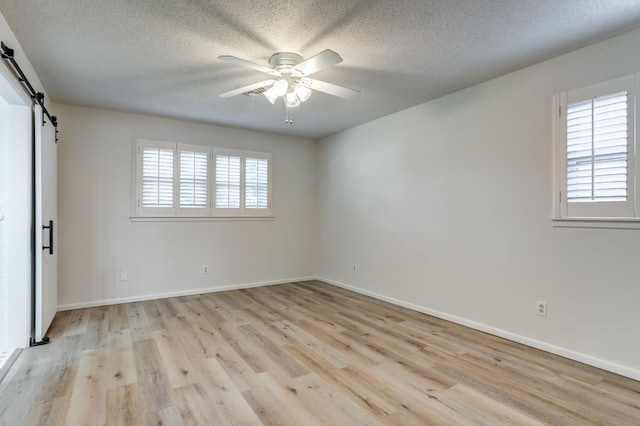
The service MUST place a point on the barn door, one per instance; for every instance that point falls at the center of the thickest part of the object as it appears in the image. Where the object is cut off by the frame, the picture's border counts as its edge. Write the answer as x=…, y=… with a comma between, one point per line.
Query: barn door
x=46, y=220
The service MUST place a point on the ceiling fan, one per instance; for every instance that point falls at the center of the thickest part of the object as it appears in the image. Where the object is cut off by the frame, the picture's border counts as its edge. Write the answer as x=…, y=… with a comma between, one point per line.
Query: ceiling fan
x=290, y=79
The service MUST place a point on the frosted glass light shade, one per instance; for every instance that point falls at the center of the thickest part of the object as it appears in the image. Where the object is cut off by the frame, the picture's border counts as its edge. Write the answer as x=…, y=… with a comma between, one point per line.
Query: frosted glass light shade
x=280, y=87
x=271, y=95
x=303, y=92
x=291, y=100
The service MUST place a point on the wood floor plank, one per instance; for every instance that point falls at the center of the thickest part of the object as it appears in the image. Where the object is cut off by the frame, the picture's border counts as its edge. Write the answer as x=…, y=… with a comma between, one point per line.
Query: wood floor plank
x=270, y=411
x=297, y=354
x=78, y=322
x=155, y=388
x=224, y=396
x=62, y=365
x=282, y=389
x=121, y=365
x=167, y=416
x=138, y=323
x=58, y=326
x=97, y=328
x=49, y=411
x=156, y=317
x=242, y=375
x=337, y=341
x=497, y=412
x=124, y=406
x=273, y=352
x=245, y=348
x=317, y=395
x=175, y=362
x=21, y=390
x=89, y=397
x=118, y=317
x=308, y=343
x=196, y=408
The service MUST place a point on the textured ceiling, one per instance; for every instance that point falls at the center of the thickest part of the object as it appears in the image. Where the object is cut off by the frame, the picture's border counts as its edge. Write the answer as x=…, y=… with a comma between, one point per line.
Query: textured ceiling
x=160, y=56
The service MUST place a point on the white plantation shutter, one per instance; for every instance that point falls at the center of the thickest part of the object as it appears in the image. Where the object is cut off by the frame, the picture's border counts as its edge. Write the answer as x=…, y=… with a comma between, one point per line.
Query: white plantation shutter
x=185, y=180
x=156, y=175
x=597, y=139
x=157, y=178
x=256, y=180
x=228, y=182
x=597, y=170
x=193, y=179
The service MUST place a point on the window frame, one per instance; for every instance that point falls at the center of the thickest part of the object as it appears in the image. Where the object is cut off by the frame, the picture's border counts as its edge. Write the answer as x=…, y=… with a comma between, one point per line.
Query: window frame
x=595, y=213
x=211, y=211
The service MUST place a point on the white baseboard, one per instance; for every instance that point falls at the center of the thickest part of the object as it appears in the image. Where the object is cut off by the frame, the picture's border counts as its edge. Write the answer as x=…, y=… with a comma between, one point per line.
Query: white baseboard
x=191, y=292
x=547, y=347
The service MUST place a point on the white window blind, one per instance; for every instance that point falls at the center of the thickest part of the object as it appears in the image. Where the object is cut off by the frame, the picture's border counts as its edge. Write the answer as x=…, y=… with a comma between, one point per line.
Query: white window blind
x=227, y=181
x=194, y=179
x=256, y=182
x=157, y=177
x=597, y=132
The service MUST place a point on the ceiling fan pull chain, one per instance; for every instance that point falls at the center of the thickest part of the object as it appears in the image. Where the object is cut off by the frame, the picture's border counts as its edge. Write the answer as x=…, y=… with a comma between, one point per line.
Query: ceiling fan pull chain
x=288, y=114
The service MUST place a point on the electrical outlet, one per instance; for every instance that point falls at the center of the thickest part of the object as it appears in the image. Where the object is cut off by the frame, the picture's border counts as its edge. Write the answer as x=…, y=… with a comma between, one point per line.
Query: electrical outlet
x=205, y=269
x=123, y=276
x=541, y=308
x=355, y=268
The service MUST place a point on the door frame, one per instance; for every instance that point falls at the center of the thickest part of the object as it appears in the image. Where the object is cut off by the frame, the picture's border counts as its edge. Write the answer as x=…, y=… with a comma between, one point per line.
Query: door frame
x=19, y=209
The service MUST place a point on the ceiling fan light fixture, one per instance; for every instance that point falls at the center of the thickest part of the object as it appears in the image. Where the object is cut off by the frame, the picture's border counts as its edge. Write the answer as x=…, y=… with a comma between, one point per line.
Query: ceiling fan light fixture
x=291, y=99
x=271, y=95
x=303, y=92
x=280, y=87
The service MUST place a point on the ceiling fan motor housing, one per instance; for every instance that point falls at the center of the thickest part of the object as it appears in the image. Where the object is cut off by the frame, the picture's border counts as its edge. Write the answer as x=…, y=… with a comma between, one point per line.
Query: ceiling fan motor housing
x=284, y=61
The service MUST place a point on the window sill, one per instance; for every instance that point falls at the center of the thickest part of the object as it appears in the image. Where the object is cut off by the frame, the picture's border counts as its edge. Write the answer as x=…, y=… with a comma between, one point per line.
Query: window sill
x=199, y=218
x=597, y=222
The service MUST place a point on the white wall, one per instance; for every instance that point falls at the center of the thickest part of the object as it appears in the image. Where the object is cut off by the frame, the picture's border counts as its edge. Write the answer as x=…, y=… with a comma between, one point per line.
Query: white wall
x=446, y=207
x=98, y=239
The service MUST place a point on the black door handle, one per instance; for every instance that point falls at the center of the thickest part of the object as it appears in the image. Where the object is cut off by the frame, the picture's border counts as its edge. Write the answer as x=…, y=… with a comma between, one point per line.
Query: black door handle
x=50, y=246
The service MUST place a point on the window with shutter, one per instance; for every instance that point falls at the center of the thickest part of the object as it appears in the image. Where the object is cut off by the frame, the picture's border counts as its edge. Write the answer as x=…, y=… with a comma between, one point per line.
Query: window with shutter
x=184, y=180
x=155, y=165
x=596, y=151
x=227, y=181
x=256, y=173
x=194, y=180
x=157, y=178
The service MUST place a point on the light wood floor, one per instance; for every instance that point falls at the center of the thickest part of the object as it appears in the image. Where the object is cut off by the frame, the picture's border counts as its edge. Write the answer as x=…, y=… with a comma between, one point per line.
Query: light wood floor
x=296, y=354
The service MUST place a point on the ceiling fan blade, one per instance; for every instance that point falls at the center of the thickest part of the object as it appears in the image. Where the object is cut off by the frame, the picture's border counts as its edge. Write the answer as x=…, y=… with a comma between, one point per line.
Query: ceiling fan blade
x=331, y=89
x=245, y=89
x=322, y=60
x=248, y=64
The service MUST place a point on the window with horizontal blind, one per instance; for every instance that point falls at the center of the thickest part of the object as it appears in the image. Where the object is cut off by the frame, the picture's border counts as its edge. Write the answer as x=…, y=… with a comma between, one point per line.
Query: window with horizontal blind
x=596, y=151
x=184, y=180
